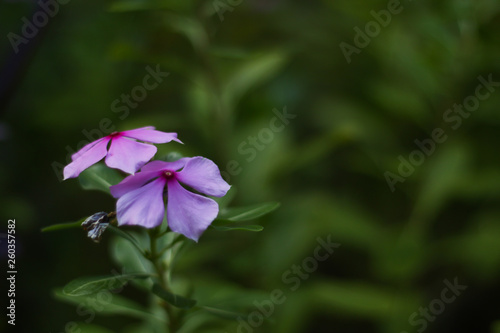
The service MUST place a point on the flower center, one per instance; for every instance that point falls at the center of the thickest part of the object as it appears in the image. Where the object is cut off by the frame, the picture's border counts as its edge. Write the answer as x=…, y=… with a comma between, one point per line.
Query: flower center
x=168, y=174
x=115, y=134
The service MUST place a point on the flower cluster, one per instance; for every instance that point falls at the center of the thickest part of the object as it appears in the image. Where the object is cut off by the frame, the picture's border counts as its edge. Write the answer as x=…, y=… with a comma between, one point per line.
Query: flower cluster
x=141, y=195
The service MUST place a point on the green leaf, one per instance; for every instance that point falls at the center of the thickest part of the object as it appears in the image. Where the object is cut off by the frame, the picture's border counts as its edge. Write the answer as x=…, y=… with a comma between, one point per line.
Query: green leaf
x=126, y=255
x=248, y=213
x=175, y=300
x=99, y=177
x=127, y=236
x=62, y=226
x=230, y=227
x=109, y=304
x=91, y=285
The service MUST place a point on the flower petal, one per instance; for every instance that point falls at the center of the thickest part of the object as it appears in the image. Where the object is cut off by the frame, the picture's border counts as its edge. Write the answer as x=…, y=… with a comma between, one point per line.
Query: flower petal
x=86, y=148
x=91, y=156
x=128, y=155
x=204, y=176
x=143, y=206
x=132, y=183
x=188, y=213
x=149, y=134
x=162, y=165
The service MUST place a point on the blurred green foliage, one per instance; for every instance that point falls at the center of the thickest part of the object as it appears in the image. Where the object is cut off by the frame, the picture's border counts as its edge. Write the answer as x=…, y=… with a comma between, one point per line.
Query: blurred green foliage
x=326, y=166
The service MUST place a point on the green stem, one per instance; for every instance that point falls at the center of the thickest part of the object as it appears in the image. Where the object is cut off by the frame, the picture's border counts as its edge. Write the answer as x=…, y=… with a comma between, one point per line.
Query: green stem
x=161, y=271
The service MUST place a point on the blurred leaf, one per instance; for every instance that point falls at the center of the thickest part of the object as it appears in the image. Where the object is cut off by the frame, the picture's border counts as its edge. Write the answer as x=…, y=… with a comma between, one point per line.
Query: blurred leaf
x=229, y=52
x=229, y=297
x=399, y=99
x=87, y=328
x=191, y=28
x=250, y=74
x=171, y=157
x=359, y=299
x=413, y=66
x=319, y=215
x=141, y=327
x=443, y=174
x=473, y=247
x=230, y=227
x=226, y=200
x=175, y=300
x=109, y=304
x=223, y=313
x=139, y=5
x=201, y=100
x=91, y=285
x=485, y=182
x=63, y=226
x=248, y=212
x=495, y=327
x=400, y=259
x=99, y=177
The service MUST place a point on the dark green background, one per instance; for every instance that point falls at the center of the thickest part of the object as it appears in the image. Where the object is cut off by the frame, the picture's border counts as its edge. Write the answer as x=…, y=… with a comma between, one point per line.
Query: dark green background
x=353, y=121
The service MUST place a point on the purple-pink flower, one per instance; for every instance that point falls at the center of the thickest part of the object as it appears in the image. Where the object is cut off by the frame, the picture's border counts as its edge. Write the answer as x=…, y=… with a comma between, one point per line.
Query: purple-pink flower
x=141, y=195
x=124, y=152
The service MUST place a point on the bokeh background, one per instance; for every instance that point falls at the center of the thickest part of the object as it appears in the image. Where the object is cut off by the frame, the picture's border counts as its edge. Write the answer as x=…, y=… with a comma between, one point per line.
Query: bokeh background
x=230, y=64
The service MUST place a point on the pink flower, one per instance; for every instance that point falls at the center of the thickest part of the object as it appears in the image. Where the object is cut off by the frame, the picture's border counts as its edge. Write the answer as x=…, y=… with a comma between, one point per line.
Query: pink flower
x=141, y=195
x=124, y=153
